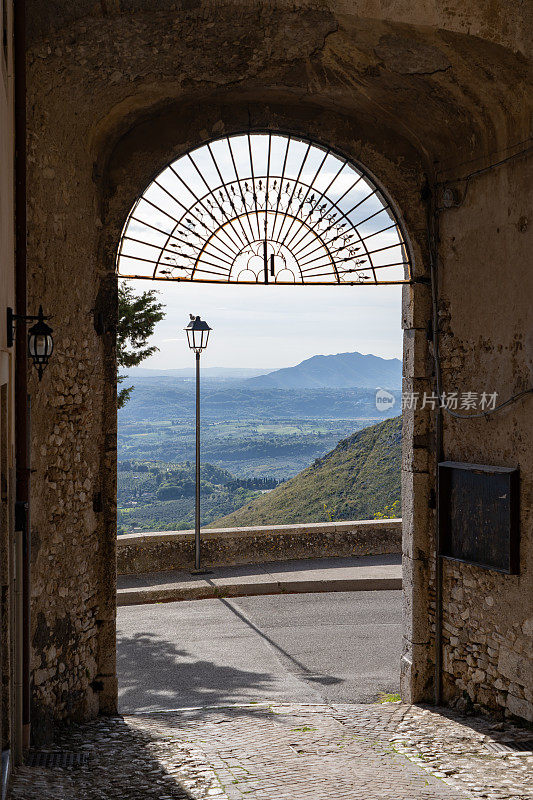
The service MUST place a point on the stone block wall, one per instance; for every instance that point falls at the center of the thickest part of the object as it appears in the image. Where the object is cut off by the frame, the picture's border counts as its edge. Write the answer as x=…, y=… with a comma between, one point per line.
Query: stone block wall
x=157, y=552
x=486, y=656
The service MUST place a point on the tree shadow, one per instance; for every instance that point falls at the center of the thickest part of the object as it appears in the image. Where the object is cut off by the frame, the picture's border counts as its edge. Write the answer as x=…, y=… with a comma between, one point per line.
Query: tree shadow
x=155, y=674
x=123, y=761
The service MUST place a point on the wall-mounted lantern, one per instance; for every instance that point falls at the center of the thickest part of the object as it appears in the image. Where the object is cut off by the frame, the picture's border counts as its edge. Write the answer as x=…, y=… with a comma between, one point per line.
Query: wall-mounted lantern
x=40, y=341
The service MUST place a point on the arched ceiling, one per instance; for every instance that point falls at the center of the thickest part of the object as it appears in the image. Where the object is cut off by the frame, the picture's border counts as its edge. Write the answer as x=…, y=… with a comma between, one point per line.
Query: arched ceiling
x=453, y=97
x=410, y=88
x=499, y=22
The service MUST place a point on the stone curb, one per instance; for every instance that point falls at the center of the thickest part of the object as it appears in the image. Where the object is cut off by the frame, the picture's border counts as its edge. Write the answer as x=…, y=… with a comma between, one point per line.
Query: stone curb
x=167, y=594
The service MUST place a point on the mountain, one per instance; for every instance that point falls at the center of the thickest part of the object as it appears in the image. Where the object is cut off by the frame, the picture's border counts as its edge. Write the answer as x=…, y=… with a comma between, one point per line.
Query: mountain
x=356, y=480
x=156, y=399
x=229, y=373
x=341, y=371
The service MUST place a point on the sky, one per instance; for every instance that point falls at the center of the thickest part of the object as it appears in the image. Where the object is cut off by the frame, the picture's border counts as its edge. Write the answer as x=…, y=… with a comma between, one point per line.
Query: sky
x=270, y=327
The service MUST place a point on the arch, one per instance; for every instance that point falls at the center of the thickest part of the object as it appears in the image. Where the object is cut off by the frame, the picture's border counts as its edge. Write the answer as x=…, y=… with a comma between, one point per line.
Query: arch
x=420, y=94
x=264, y=207
x=133, y=156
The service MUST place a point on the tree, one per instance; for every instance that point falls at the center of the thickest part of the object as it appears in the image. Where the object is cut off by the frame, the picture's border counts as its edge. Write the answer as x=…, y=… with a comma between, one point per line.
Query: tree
x=137, y=318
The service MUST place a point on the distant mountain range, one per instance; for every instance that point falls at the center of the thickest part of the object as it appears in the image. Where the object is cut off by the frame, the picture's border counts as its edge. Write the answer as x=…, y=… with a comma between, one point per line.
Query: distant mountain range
x=234, y=373
x=339, y=386
x=341, y=371
x=356, y=480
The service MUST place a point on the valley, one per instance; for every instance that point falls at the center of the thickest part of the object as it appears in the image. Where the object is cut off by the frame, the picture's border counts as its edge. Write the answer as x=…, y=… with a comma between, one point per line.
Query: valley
x=250, y=433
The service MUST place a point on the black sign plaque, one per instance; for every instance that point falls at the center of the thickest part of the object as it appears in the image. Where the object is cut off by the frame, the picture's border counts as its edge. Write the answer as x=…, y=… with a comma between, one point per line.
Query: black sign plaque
x=479, y=515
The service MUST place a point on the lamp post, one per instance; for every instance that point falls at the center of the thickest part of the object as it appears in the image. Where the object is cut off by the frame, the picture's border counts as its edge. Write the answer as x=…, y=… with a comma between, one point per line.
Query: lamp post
x=197, y=337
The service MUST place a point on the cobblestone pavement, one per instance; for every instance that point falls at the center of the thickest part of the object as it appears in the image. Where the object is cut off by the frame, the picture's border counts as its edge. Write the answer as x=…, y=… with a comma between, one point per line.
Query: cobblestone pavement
x=286, y=752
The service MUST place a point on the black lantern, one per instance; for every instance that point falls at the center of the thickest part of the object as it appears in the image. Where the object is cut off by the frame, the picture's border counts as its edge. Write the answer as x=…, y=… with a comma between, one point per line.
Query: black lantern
x=40, y=341
x=197, y=334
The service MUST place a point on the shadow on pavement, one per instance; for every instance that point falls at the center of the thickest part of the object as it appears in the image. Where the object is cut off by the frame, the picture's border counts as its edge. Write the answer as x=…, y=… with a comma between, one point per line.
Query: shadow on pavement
x=496, y=728
x=155, y=674
x=325, y=680
x=122, y=764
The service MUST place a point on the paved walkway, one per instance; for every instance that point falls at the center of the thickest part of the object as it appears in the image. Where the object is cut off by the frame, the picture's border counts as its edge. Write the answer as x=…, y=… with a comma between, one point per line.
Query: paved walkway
x=276, y=577
x=286, y=752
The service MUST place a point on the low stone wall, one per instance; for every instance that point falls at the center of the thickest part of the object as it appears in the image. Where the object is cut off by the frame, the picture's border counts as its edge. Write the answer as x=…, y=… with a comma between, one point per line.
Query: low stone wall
x=165, y=550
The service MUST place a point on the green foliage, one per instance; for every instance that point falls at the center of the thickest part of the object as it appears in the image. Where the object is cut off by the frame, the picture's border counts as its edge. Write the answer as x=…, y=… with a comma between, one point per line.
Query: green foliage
x=162, y=496
x=389, y=697
x=170, y=492
x=356, y=480
x=137, y=318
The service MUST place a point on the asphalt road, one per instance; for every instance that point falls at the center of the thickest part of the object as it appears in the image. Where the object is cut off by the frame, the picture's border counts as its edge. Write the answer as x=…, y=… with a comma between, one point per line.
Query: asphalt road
x=337, y=646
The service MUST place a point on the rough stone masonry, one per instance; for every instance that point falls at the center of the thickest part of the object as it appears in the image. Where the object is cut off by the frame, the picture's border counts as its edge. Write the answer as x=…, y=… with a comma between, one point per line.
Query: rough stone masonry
x=428, y=96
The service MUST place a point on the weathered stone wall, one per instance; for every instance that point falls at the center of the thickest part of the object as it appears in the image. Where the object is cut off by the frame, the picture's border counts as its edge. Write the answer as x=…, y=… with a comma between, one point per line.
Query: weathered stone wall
x=160, y=551
x=417, y=92
x=487, y=345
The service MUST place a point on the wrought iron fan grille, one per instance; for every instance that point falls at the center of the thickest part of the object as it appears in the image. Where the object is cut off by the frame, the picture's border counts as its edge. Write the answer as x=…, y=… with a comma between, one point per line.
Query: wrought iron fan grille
x=263, y=208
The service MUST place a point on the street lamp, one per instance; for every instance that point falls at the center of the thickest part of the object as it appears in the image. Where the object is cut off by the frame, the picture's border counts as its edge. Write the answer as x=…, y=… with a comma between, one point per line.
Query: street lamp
x=197, y=336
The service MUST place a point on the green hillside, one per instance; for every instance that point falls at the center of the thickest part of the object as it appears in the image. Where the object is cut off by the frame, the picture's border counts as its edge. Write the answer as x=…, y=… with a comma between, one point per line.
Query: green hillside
x=356, y=480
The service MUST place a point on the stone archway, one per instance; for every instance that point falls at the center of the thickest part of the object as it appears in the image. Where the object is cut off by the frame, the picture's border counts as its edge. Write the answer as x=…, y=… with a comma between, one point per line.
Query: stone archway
x=113, y=97
x=416, y=685
x=149, y=143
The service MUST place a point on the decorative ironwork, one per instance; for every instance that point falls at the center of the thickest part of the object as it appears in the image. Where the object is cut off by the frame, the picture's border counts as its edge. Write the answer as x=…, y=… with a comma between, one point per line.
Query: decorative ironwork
x=264, y=208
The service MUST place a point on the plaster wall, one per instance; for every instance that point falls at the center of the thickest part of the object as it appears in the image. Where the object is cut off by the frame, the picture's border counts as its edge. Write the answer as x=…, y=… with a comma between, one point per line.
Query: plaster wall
x=115, y=96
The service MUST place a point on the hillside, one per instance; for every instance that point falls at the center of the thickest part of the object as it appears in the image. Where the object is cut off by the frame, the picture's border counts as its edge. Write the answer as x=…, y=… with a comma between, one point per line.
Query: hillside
x=341, y=371
x=159, y=496
x=356, y=480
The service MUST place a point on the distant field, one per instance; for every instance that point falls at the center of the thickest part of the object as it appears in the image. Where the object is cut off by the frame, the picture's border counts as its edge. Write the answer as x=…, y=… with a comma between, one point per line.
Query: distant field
x=250, y=448
x=270, y=434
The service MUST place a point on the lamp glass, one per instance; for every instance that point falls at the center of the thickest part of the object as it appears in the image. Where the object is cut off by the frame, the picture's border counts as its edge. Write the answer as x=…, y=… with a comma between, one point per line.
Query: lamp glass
x=197, y=334
x=40, y=341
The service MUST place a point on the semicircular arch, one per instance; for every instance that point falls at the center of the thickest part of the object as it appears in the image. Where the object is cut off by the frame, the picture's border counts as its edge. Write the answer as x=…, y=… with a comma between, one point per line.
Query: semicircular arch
x=264, y=207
